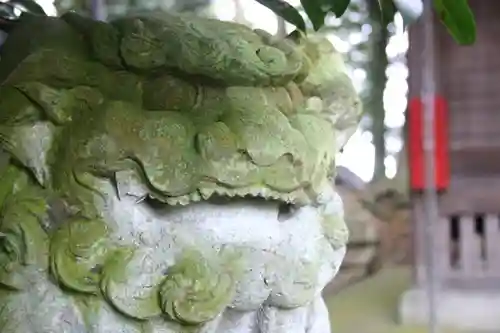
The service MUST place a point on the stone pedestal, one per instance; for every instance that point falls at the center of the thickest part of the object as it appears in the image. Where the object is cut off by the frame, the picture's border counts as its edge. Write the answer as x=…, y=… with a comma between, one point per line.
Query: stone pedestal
x=466, y=310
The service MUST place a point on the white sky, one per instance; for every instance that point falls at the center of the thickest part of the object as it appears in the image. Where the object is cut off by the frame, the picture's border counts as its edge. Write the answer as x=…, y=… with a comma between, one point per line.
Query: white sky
x=48, y=6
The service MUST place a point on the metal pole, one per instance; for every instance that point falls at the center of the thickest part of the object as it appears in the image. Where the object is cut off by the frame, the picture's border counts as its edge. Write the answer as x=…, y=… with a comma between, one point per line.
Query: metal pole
x=428, y=93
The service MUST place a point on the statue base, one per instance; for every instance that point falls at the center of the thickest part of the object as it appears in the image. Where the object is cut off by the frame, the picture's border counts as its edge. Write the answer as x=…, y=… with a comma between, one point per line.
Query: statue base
x=460, y=309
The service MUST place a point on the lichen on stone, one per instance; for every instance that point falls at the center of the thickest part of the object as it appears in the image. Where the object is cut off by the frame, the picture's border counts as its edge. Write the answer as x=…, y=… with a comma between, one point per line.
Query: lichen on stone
x=199, y=105
x=131, y=284
x=176, y=111
x=198, y=287
x=23, y=242
x=78, y=252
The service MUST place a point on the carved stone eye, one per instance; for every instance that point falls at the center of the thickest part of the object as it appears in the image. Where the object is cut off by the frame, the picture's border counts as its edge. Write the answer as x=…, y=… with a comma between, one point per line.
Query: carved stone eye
x=272, y=57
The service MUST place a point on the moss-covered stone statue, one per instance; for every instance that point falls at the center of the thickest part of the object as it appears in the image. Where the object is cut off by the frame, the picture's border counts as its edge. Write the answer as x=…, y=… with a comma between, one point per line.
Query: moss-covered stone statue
x=168, y=175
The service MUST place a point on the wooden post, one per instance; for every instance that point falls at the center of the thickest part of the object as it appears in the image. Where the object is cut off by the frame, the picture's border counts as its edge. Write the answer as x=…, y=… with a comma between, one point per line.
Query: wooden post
x=470, y=248
x=492, y=233
x=443, y=248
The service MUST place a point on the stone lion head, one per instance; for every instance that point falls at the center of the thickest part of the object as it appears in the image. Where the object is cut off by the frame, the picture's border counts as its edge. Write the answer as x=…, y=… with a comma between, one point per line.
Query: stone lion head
x=168, y=174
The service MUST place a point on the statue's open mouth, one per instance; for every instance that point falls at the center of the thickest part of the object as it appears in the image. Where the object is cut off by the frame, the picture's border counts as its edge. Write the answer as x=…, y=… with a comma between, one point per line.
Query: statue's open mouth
x=284, y=210
x=130, y=182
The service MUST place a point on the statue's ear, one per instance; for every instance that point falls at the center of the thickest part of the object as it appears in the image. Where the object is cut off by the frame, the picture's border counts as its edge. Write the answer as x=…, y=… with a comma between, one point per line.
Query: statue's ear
x=29, y=144
x=25, y=134
x=57, y=105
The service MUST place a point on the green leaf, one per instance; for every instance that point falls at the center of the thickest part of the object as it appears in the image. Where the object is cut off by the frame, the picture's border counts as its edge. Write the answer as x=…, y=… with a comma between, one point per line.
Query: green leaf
x=338, y=7
x=387, y=11
x=286, y=11
x=315, y=12
x=458, y=18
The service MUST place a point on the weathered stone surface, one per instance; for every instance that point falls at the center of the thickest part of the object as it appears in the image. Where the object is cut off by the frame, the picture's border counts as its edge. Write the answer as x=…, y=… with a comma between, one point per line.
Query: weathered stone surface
x=168, y=176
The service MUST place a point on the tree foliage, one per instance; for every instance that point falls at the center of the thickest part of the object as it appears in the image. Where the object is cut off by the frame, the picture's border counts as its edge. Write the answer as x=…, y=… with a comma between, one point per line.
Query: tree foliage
x=456, y=15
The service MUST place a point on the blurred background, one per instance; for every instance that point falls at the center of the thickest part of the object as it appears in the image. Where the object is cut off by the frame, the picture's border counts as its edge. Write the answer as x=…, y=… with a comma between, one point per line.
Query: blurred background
x=384, y=253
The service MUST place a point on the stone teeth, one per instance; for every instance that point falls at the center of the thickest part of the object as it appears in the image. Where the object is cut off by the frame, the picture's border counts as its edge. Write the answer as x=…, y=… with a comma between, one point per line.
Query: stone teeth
x=222, y=191
x=182, y=200
x=172, y=201
x=195, y=196
x=259, y=192
x=254, y=191
x=206, y=192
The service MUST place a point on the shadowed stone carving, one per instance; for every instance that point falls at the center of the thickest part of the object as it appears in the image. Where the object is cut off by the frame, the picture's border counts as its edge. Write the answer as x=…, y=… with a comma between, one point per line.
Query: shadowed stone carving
x=168, y=175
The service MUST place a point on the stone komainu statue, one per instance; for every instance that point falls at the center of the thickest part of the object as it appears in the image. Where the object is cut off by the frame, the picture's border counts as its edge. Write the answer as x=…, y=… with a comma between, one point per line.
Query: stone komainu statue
x=168, y=175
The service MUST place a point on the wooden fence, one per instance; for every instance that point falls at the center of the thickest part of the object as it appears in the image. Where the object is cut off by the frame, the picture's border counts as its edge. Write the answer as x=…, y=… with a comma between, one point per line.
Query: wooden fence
x=467, y=251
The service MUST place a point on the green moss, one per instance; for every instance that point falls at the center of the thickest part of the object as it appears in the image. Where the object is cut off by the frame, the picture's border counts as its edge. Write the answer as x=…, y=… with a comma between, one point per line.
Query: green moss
x=77, y=254
x=186, y=100
x=184, y=106
x=198, y=287
x=23, y=242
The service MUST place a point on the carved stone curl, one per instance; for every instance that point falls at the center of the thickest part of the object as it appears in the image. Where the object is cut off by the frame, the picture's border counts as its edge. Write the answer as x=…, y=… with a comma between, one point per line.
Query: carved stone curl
x=168, y=175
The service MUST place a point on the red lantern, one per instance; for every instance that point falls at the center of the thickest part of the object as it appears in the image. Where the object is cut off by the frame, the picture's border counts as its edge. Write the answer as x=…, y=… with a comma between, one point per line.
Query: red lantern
x=416, y=144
